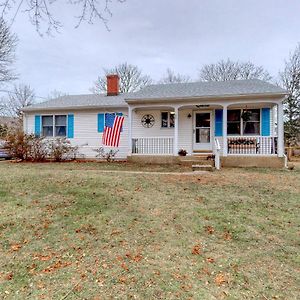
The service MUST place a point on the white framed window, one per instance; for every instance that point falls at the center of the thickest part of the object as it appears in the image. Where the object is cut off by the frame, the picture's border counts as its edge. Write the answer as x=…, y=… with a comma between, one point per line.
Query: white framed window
x=167, y=119
x=54, y=125
x=243, y=122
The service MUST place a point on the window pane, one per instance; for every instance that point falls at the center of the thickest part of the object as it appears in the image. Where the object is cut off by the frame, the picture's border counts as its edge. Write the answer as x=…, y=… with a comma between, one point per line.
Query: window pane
x=47, y=120
x=172, y=119
x=234, y=115
x=252, y=128
x=47, y=130
x=203, y=120
x=255, y=114
x=60, y=130
x=164, y=119
x=60, y=120
x=197, y=135
x=204, y=135
x=234, y=128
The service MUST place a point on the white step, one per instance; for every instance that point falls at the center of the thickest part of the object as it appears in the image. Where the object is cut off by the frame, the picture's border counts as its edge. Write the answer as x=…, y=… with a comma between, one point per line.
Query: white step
x=202, y=168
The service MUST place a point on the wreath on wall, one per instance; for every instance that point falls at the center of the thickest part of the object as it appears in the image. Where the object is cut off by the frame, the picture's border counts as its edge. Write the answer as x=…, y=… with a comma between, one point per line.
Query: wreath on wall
x=148, y=121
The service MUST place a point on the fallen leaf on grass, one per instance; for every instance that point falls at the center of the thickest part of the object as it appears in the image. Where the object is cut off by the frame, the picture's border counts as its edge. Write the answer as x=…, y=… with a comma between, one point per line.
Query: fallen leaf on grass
x=124, y=266
x=210, y=260
x=123, y=279
x=209, y=229
x=58, y=265
x=15, y=247
x=197, y=250
x=9, y=276
x=42, y=257
x=221, y=279
x=138, y=258
x=227, y=236
x=200, y=199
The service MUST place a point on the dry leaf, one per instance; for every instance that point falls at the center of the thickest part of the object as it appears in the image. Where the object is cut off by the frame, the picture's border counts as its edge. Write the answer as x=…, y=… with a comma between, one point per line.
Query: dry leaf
x=9, y=276
x=209, y=229
x=221, y=279
x=227, y=236
x=138, y=258
x=197, y=250
x=15, y=247
x=124, y=266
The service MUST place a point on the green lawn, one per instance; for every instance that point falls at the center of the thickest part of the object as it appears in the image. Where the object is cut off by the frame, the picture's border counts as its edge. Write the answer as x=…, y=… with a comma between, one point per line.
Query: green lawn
x=71, y=231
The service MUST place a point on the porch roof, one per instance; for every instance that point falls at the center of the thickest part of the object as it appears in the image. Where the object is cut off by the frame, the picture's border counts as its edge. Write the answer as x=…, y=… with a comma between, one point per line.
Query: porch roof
x=233, y=88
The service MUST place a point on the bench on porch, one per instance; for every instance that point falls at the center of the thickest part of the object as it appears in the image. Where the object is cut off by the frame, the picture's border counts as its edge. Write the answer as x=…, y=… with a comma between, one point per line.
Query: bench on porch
x=243, y=145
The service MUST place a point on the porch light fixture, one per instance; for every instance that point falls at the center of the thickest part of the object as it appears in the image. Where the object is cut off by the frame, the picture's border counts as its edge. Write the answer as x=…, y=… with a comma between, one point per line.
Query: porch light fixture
x=202, y=105
x=189, y=116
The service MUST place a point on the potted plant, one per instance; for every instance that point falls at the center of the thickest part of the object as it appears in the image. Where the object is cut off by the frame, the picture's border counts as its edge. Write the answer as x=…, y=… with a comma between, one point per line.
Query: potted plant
x=182, y=152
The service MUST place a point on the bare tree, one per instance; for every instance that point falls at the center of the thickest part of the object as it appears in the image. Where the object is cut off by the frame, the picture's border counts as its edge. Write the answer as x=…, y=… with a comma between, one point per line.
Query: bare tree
x=40, y=11
x=171, y=77
x=290, y=80
x=21, y=96
x=231, y=70
x=8, y=43
x=131, y=79
x=56, y=94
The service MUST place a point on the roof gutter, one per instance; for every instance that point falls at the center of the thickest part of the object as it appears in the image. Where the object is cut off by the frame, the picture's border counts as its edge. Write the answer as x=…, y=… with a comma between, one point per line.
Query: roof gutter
x=67, y=108
x=208, y=97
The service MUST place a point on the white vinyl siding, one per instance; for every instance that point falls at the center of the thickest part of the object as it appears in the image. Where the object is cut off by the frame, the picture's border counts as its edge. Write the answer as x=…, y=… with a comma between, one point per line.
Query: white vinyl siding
x=139, y=131
x=185, y=138
x=86, y=134
x=87, y=137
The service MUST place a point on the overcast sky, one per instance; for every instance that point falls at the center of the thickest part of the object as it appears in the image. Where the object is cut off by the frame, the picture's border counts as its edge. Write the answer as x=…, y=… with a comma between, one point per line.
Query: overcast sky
x=155, y=35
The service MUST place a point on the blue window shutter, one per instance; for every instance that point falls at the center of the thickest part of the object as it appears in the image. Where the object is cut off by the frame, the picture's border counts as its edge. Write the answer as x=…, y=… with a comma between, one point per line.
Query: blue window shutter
x=100, y=122
x=37, y=125
x=120, y=114
x=219, y=122
x=265, y=121
x=70, y=133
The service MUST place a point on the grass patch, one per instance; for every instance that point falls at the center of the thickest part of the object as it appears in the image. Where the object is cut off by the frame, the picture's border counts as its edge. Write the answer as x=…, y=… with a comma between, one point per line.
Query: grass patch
x=72, y=229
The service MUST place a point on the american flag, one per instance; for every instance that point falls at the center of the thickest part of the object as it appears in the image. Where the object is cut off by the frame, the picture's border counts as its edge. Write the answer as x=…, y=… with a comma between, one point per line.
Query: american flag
x=112, y=130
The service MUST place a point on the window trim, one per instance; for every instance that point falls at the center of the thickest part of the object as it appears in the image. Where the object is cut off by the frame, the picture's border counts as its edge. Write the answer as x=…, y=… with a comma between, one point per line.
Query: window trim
x=242, y=123
x=53, y=125
x=169, y=119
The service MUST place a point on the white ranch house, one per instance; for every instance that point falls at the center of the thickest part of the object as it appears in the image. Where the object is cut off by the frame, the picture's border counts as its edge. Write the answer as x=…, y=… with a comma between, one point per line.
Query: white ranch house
x=239, y=122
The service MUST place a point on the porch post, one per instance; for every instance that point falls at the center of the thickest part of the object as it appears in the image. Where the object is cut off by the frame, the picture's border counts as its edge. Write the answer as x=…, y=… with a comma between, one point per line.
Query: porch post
x=130, y=130
x=176, y=129
x=280, y=129
x=225, y=130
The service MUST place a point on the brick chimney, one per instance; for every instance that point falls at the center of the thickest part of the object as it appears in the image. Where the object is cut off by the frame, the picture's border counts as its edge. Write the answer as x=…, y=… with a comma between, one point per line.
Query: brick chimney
x=112, y=85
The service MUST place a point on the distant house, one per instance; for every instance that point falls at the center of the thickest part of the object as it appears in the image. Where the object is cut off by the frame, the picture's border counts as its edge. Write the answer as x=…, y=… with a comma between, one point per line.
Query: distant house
x=239, y=121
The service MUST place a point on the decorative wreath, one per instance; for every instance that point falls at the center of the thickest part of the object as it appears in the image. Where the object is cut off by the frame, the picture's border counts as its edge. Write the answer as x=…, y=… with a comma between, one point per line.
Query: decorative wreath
x=148, y=121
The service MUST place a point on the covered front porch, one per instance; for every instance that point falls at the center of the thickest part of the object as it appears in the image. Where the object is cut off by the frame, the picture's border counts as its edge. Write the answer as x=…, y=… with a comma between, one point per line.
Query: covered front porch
x=226, y=128
x=251, y=127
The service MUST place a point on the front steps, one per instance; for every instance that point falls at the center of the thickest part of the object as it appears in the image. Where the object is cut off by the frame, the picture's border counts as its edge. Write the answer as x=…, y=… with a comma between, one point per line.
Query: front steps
x=209, y=168
x=199, y=161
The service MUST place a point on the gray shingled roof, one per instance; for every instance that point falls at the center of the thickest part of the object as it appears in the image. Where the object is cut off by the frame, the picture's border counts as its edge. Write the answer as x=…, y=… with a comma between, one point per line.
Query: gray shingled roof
x=164, y=91
x=206, y=89
x=80, y=101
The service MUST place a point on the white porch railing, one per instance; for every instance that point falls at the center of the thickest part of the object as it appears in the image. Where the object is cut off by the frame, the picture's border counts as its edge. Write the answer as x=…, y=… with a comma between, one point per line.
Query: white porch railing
x=217, y=150
x=153, y=145
x=252, y=145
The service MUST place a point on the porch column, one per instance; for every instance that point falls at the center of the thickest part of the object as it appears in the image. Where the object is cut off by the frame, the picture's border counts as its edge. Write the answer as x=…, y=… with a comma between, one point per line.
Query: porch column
x=176, y=129
x=280, y=129
x=225, y=131
x=130, y=109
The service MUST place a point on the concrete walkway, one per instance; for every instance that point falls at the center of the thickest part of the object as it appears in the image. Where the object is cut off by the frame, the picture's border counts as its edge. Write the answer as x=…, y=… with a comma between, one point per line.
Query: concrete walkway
x=151, y=173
